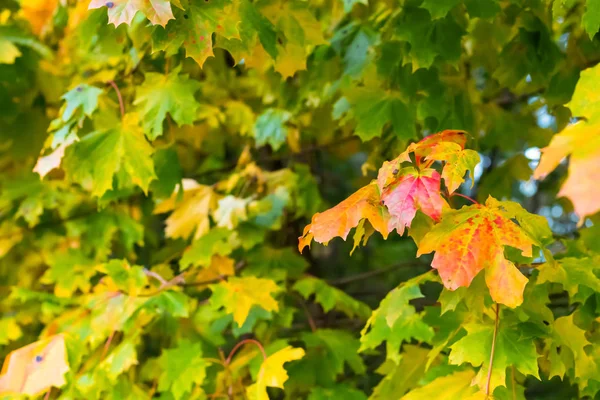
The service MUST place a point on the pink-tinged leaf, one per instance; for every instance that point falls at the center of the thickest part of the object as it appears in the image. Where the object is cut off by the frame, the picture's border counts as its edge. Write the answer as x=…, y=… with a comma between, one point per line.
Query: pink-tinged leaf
x=122, y=11
x=365, y=203
x=35, y=368
x=473, y=238
x=413, y=191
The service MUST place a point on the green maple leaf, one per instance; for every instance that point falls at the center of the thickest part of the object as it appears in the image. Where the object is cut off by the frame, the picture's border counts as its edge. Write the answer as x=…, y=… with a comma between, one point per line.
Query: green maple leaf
x=95, y=160
x=439, y=8
x=572, y=342
x=161, y=94
x=193, y=28
x=511, y=350
x=373, y=108
x=254, y=28
x=591, y=17
x=82, y=97
x=122, y=11
x=123, y=357
x=572, y=273
x=402, y=376
x=328, y=351
x=331, y=298
x=338, y=391
x=270, y=128
x=429, y=39
x=217, y=241
x=396, y=321
x=182, y=366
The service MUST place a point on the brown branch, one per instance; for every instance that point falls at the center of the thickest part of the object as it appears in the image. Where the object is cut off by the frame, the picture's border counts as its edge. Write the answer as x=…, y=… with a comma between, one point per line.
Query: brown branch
x=369, y=274
x=240, y=344
x=121, y=105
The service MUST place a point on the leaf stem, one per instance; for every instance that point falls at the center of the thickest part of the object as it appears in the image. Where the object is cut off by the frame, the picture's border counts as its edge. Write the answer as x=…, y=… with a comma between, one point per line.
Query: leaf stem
x=240, y=344
x=489, y=375
x=464, y=197
x=121, y=105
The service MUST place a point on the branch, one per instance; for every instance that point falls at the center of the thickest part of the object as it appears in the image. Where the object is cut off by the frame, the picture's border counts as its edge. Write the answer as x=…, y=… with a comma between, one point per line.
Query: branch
x=306, y=150
x=238, y=267
x=121, y=105
x=365, y=275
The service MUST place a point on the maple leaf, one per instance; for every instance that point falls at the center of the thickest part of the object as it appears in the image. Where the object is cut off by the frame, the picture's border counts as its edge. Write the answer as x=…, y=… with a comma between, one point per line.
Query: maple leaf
x=122, y=11
x=330, y=297
x=337, y=221
x=412, y=190
x=257, y=41
x=510, y=350
x=457, y=162
x=220, y=266
x=217, y=241
x=8, y=51
x=194, y=27
x=272, y=373
x=581, y=141
x=471, y=239
x=161, y=94
x=456, y=386
x=182, y=366
x=231, y=211
x=39, y=13
x=82, y=97
x=396, y=320
x=270, y=128
x=97, y=157
x=191, y=213
x=373, y=108
x=239, y=295
x=53, y=160
x=301, y=30
x=35, y=367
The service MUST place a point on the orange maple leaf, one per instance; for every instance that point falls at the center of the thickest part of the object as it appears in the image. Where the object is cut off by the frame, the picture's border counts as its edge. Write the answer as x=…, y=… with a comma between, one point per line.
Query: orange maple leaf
x=365, y=203
x=35, y=368
x=473, y=238
x=582, y=142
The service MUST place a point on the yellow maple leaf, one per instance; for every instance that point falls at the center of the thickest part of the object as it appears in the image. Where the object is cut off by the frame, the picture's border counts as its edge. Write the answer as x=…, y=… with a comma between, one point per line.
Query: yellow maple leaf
x=191, y=214
x=35, y=368
x=238, y=295
x=272, y=372
x=220, y=266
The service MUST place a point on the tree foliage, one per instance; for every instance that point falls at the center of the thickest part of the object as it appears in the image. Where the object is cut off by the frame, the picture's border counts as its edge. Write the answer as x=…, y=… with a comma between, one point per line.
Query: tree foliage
x=168, y=165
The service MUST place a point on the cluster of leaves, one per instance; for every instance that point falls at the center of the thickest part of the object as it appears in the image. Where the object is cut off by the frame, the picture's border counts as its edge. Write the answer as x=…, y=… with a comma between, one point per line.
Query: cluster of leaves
x=160, y=159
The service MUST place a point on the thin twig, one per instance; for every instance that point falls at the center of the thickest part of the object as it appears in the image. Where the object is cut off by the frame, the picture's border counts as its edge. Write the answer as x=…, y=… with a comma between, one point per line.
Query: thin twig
x=156, y=276
x=465, y=197
x=121, y=105
x=47, y=396
x=489, y=375
x=311, y=321
x=240, y=344
x=107, y=344
x=369, y=274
